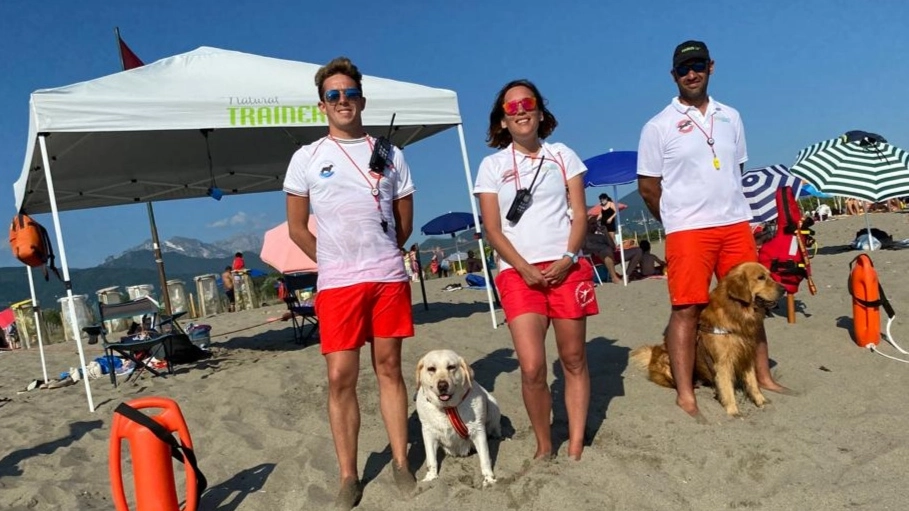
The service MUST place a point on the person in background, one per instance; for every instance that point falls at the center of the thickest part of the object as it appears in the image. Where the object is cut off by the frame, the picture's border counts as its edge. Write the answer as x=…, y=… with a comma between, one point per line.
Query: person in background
x=238, y=263
x=227, y=279
x=541, y=281
x=650, y=264
x=474, y=265
x=691, y=157
x=607, y=215
x=415, y=265
x=364, y=296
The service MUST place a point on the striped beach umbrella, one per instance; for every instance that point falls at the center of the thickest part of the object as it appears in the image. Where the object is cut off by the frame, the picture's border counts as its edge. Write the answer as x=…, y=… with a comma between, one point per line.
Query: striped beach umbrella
x=760, y=186
x=858, y=164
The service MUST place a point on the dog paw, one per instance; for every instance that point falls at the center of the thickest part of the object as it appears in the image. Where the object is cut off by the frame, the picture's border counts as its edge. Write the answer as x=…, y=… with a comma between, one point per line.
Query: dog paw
x=431, y=475
x=488, y=481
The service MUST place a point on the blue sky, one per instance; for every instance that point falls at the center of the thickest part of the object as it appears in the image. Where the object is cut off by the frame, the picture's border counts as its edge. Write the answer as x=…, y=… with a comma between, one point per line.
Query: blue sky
x=799, y=72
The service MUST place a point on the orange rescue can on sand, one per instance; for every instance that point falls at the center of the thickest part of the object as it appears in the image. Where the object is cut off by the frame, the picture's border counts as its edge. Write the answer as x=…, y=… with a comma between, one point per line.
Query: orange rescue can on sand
x=152, y=461
x=866, y=301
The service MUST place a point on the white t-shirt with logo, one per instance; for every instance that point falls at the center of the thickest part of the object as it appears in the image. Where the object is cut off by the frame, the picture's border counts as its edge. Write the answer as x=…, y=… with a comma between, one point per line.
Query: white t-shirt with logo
x=351, y=246
x=674, y=146
x=542, y=233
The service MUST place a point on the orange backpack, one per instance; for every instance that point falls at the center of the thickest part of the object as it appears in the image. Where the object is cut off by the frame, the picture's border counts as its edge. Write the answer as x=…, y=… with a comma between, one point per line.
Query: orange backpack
x=31, y=244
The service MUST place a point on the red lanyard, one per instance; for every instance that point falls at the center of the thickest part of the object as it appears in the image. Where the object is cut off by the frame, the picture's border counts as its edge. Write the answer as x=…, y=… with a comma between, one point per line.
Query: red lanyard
x=517, y=174
x=373, y=189
x=710, y=141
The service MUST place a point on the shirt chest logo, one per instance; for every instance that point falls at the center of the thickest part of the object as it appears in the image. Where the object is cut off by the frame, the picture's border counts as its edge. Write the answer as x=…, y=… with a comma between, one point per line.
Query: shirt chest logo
x=326, y=169
x=685, y=126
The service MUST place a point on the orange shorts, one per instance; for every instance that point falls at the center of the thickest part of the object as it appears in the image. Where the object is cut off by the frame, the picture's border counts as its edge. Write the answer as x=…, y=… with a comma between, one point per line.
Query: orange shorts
x=694, y=257
x=351, y=316
x=573, y=298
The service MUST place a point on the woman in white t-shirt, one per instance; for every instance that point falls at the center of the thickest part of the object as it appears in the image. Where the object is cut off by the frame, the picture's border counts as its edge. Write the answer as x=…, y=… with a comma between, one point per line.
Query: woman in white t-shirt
x=529, y=192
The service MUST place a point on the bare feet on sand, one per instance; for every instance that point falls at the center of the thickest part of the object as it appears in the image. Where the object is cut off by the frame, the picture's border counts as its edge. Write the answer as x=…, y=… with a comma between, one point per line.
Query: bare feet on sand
x=404, y=478
x=349, y=494
x=691, y=408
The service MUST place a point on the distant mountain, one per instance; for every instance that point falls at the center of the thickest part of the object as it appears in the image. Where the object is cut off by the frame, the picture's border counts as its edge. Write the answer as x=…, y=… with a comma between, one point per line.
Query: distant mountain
x=249, y=242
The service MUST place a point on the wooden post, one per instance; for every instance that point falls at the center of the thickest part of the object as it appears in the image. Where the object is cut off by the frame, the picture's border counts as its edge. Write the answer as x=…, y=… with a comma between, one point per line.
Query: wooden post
x=192, y=307
x=790, y=307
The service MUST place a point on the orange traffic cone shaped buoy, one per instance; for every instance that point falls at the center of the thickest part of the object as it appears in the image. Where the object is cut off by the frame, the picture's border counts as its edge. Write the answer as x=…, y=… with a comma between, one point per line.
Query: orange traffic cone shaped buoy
x=153, y=447
x=866, y=301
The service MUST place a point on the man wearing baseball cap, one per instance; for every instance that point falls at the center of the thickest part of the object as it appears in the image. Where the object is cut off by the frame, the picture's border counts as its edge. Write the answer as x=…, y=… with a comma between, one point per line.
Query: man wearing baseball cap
x=691, y=157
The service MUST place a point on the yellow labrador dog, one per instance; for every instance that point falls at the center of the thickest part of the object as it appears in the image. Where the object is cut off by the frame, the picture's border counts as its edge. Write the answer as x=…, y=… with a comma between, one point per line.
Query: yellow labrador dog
x=455, y=412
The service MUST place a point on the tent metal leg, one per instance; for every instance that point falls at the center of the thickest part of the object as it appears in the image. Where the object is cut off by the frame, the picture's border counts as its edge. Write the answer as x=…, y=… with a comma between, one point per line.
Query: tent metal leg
x=476, y=221
x=618, y=233
x=42, y=141
x=38, y=322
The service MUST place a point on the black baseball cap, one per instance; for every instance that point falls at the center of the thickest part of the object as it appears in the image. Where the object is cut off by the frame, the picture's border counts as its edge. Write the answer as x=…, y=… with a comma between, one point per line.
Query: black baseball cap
x=690, y=50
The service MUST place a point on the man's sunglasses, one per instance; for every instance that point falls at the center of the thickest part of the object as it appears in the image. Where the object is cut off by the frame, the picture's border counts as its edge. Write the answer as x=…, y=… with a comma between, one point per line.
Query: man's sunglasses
x=334, y=95
x=697, y=67
x=529, y=104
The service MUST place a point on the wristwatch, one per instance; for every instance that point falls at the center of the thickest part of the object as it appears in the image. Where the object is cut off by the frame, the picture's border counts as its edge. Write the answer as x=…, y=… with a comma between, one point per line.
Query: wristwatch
x=572, y=255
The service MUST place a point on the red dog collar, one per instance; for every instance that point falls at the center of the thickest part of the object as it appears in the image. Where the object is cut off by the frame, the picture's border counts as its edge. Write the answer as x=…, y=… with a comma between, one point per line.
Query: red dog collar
x=455, y=418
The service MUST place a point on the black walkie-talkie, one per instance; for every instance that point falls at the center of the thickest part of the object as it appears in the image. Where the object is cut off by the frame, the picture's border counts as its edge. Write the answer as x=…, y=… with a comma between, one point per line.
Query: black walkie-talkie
x=381, y=152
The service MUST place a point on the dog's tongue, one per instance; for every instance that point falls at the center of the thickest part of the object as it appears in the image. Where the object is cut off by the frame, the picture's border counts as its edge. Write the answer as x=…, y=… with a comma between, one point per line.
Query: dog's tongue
x=444, y=397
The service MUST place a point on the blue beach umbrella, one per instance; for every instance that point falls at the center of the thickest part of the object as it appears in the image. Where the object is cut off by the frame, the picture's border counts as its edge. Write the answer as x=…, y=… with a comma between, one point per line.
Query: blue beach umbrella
x=449, y=223
x=613, y=169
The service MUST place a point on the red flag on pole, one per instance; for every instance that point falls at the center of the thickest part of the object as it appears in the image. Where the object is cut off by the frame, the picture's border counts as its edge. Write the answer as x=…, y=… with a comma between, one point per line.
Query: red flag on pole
x=127, y=57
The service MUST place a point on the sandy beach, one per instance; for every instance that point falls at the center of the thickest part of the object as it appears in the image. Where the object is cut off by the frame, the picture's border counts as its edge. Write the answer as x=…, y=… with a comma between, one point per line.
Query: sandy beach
x=257, y=415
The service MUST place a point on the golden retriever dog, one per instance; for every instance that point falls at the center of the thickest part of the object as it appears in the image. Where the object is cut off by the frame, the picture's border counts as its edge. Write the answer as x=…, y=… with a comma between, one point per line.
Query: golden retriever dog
x=727, y=337
x=455, y=412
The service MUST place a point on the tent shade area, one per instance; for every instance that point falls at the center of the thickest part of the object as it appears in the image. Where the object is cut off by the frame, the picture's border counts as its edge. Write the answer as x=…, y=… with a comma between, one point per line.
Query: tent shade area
x=184, y=125
x=146, y=134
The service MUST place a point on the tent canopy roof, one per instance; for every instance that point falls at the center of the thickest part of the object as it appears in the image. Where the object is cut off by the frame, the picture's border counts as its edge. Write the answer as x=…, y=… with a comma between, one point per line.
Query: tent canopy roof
x=140, y=135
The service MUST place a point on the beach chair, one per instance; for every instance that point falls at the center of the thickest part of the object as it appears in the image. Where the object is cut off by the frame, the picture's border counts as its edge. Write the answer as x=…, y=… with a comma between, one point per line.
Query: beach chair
x=165, y=330
x=302, y=311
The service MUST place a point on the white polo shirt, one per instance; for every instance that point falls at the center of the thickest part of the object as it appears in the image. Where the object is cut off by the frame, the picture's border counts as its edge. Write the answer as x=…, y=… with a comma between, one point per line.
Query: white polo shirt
x=351, y=246
x=674, y=147
x=542, y=233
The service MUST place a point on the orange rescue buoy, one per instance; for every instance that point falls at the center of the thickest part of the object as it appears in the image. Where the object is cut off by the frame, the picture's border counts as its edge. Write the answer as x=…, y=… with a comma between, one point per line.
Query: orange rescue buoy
x=153, y=449
x=866, y=301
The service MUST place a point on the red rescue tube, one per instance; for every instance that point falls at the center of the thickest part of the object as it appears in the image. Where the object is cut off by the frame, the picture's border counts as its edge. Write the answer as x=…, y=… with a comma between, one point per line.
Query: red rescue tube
x=866, y=310
x=152, y=463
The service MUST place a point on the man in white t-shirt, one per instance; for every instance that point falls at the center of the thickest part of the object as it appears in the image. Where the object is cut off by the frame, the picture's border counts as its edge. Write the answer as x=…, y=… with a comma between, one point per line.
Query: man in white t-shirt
x=363, y=216
x=690, y=161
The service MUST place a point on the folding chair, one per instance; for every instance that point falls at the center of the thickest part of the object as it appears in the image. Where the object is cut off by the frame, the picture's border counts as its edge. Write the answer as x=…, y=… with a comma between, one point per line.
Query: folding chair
x=302, y=313
x=166, y=326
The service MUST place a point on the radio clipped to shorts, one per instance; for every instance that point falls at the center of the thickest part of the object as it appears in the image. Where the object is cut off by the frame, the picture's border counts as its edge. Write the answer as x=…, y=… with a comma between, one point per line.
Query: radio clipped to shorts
x=381, y=152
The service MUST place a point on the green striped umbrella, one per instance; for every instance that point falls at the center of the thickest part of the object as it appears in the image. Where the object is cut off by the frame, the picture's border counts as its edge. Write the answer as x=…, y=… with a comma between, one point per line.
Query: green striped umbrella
x=858, y=164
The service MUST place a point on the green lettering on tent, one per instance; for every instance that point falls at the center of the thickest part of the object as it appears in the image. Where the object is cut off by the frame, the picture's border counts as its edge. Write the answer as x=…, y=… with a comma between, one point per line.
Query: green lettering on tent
x=288, y=115
x=275, y=115
x=247, y=116
x=264, y=115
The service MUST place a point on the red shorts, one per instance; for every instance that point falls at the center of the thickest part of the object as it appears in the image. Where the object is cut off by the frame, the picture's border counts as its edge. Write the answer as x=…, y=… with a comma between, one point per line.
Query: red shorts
x=694, y=257
x=351, y=316
x=573, y=298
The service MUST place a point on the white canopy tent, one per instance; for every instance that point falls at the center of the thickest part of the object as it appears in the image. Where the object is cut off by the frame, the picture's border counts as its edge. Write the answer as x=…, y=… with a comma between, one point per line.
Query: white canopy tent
x=176, y=127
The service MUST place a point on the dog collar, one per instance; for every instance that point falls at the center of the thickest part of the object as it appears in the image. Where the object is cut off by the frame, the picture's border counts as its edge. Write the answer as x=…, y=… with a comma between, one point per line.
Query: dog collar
x=455, y=418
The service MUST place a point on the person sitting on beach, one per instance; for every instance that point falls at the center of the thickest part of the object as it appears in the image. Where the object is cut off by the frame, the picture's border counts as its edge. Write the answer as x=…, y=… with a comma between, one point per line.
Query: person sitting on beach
x=364, y=295
x=650, y=264
x=474, y=265
x=600, y=244
x=541, y=279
